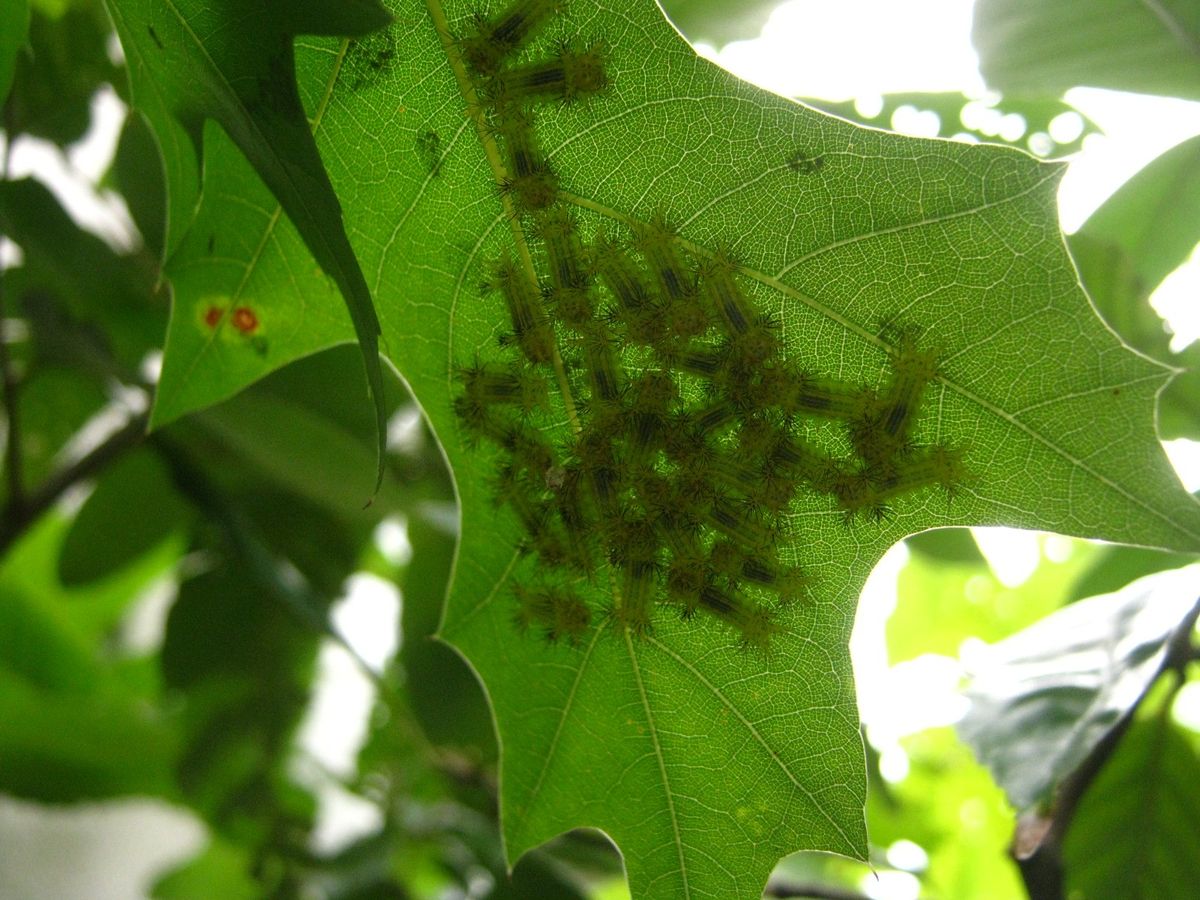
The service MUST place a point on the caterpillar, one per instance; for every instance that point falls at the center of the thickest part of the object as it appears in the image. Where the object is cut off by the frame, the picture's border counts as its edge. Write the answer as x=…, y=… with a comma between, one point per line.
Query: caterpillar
x=692, y=429
x=885, y=426
x=494, y=40
x=736, y=311
x=531, y=181
x=531, y=328
x=570, y=76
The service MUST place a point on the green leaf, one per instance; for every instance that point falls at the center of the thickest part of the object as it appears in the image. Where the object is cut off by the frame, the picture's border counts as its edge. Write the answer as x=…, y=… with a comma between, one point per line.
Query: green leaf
x=133, y=509
x=949, y=805
x=716, y=22
x=223, y=870
x=1048, y=46
x=1038, y=113
x=946, y=545
x=1114, y=566
x=645, y=738
x=55, y=402
x=87, y=307
x=1140, y=235
x=69, y=747
x=243, y=663
x=76, y=725
x=54, y=81
x=1136, y=833
x=138, y=175
x=53, y=635
x=1042, y=699
x=1154, y=216
x=444, y=694
x=14, y=27
x=943, y=601
x=189, y=61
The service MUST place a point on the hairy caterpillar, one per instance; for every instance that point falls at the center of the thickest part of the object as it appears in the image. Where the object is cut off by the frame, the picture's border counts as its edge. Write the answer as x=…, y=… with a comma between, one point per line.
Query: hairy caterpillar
x=690, y=426
x=572, y=75
x=491, y=41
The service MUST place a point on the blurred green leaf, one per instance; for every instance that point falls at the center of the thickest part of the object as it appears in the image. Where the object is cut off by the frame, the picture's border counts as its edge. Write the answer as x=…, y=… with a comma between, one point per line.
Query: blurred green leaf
x=73, y=724
x=1038, y=113
x=1113, y=566
x=948, y=545
x=1179, y=403
x=1154, y=217
x=14, y=28
x=1124, y=250
x=38, y=643
x=1108, y=272
x=89, y=305
x=86, y=744
x=190, y=61
x=944, y=601
x=138, y=175
x=949, y=806
x=1042, y=699
x=243, y=664
x=58, y=632
x=222, y=870
x=310, y=456
x=133, y=509
x=444, y=692
x=718, y=22
x=1136, y=833
x=54, y=404
x=54, y=82
x=1048, y=46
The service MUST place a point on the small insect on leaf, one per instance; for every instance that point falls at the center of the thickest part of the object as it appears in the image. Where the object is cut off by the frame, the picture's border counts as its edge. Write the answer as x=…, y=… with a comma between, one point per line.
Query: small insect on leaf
x=886, y=427
x=725, y=296
x=558, y=612
x=572, y=75
x=493, y=383
x=658, y=244
x=564, y=252
x=532, y=331
x=531, y=182
x=492, y=41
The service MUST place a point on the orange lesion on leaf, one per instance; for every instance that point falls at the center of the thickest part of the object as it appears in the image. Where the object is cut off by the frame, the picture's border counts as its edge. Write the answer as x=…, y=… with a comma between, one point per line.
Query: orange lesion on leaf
x=245, y=320
x=213, y=314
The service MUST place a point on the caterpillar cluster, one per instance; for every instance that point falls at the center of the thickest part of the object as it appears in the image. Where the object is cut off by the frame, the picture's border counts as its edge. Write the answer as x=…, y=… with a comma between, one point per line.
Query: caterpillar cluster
x=686, y=445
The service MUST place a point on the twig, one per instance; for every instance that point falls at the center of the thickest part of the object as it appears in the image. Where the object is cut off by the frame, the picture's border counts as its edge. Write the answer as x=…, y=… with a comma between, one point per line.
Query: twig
x=1037, y=844
x=17, y=516
x=12, y=438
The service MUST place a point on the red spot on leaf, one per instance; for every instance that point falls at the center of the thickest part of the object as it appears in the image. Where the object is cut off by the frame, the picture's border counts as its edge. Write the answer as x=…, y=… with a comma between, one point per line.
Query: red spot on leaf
x=245, y=320
x=212, y=316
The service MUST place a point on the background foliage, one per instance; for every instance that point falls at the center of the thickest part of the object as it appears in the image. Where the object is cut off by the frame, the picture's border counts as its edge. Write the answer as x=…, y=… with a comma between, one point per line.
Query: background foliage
x=242, y=509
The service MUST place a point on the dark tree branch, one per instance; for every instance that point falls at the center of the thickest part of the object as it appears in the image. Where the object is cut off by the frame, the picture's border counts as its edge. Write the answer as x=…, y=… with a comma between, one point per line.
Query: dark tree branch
x=16, y=517
x=1038, y=842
